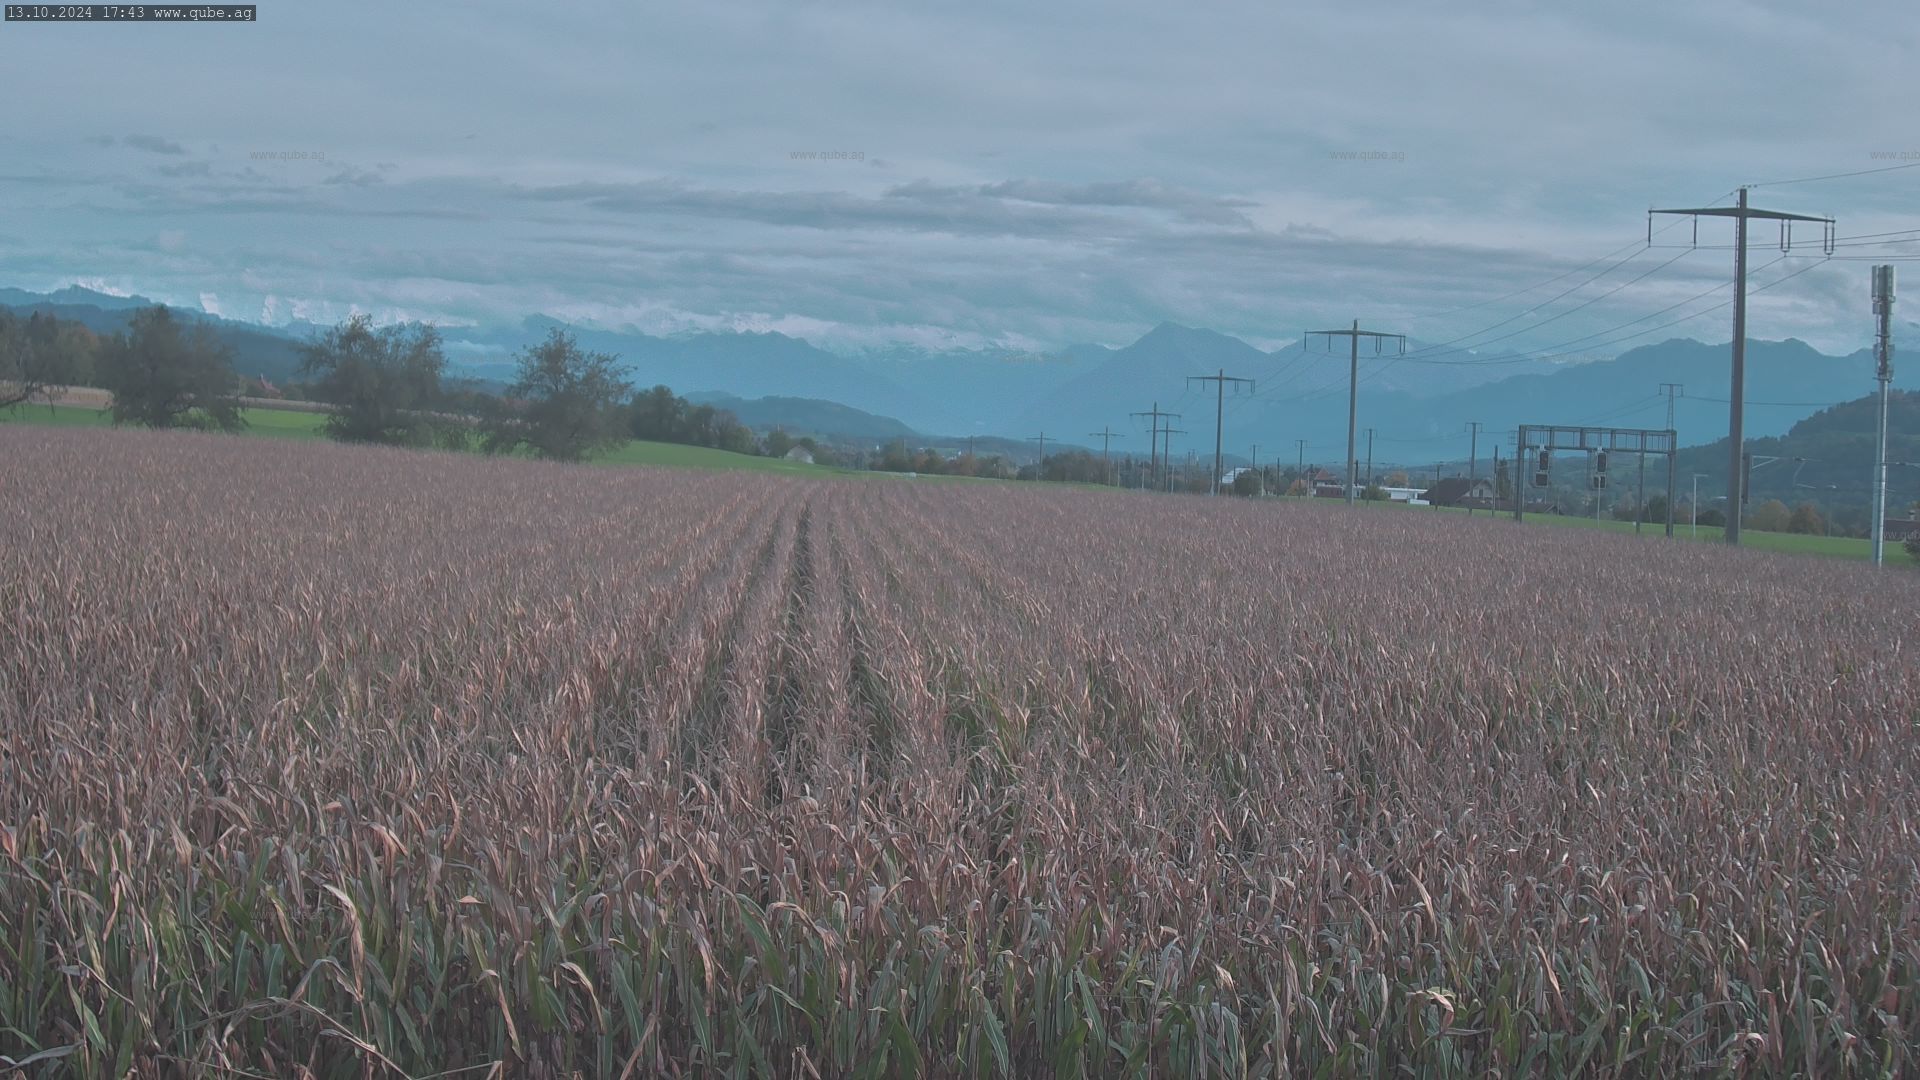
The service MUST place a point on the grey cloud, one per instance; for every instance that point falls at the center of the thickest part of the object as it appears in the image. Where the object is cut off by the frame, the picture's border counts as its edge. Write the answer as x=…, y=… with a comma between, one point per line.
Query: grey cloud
x=823, y=210
x=355, y=177
x=1143, y=194
x=153, y=144
x=186, y=168
x=1011, y=208
x=1085, y=169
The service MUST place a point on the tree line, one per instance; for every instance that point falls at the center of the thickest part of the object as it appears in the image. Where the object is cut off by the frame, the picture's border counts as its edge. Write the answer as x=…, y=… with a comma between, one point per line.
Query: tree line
x=390, y=386
x=387, y=386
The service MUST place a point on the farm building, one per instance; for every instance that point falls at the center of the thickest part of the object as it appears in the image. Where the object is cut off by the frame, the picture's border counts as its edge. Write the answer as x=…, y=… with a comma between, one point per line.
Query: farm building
x=1455, y=490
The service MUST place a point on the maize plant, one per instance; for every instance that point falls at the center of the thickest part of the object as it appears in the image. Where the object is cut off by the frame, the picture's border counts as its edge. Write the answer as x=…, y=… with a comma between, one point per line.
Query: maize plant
x=335, y=761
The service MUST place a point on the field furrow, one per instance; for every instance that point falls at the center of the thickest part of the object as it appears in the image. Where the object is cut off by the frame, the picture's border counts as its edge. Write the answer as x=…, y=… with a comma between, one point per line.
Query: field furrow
x=359, y=762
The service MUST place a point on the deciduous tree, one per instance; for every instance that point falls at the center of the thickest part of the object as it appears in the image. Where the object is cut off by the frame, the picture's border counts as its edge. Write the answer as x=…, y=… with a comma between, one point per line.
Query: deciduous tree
x=1806, y=519
x=164, y=374
x=1769, y=516
x=40, y=356
x=383, y=384
x=565, y=402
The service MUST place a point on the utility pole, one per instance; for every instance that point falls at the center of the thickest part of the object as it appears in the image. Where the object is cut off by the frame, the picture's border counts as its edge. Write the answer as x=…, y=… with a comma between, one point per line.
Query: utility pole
x=1220, y=382
x=1300, y=470
x=1105, y=436
x=1369, y=457
x=1040, y=467
x=1640, y=495
x=1883, y=351
x=1592, y=488
x=1167, y=457
x=1736, y=407
x=1258, y=477
x=1153, y=442
x=1353, y=337
x=1473, y=465
x=1672, y=390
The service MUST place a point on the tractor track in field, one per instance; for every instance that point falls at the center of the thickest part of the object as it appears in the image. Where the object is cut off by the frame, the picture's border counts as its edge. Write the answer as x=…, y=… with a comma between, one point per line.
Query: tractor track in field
x=784, y=713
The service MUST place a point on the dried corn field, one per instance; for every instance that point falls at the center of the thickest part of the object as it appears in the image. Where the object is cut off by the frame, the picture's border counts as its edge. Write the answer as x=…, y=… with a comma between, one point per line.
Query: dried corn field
x=349, y=762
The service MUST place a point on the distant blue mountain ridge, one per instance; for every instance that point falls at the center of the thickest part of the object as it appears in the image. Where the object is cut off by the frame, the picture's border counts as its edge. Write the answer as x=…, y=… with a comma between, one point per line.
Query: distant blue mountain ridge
x=1419, y=410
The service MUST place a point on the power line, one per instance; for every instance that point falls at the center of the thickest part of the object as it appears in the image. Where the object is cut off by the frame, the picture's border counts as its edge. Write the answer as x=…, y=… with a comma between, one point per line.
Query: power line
x=1635, y=242
x=1443, y=350
x=1545, y=354
x=1839, y=176
x=1639, y=404
x=1426, y=440
x=1782, y=404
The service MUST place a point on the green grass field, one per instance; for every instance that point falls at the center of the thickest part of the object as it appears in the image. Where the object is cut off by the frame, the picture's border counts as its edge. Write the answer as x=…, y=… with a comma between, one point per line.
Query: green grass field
x=272, y=423
x=291, y=424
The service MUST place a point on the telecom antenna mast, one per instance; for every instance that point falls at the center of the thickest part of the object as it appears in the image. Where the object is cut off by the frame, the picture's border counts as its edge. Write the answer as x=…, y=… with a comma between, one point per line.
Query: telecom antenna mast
x=1883, y=351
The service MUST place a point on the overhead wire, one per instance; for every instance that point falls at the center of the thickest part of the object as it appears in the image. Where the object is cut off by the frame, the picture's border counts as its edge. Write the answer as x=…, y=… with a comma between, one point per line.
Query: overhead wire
x=1838, y=176
x=1427, y=354
x=1545, y=353
x=1285, y=373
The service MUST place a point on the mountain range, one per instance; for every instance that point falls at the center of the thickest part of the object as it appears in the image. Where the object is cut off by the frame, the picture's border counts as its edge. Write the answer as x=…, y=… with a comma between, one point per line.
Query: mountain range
x=1418, y=404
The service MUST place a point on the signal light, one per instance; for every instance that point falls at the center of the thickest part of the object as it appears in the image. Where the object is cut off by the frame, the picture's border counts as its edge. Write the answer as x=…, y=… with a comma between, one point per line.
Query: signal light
x=1600, y=462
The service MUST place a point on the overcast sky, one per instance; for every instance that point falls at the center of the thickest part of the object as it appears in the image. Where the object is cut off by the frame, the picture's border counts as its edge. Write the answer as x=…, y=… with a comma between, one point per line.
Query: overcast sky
x=987, y=173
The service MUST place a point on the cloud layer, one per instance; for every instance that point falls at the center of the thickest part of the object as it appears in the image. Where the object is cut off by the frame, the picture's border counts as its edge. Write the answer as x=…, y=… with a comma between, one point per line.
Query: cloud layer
x=978, y=175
